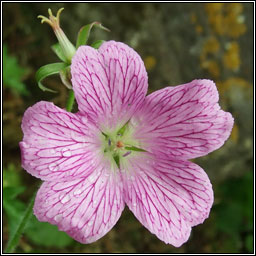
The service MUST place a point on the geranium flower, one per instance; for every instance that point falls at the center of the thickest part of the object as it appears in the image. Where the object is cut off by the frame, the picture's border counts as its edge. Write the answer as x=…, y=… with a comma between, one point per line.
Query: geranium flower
x=123, y=148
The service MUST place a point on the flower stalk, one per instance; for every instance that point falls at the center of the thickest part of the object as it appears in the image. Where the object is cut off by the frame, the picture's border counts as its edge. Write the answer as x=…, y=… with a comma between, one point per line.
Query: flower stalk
x=70, y=101
x=13, y=242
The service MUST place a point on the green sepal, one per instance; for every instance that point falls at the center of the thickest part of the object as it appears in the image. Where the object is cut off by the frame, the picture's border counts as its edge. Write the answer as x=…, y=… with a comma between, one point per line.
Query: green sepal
x=97, y=44
x=132, y=148
x=66, y=77
x=48, y=70
x=105, y=135
x=84, y=33
x=122, y=129
x=59, y=52
x=117, y=160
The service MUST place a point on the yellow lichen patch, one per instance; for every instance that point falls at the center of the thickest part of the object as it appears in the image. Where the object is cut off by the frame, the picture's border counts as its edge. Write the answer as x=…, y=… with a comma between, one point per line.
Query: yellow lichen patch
x=232, y=82
x=213, y=7
x=149, y=62
x=235, y=8
x=199, y=29
x=223, y=86
x=235, y=133
x=215, y=17
x=212, y=67
x=208, y=55
x=231, y=58
x=193, y=18
x=226, y=18
x=235, y=20
x=211, y=45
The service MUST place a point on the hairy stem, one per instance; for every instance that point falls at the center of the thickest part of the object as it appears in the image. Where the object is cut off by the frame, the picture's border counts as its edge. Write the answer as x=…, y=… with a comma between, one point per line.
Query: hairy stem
x=14, y=240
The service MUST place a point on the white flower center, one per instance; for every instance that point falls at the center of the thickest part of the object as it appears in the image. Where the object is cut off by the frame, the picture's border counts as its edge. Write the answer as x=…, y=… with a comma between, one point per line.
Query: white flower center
x=118, y=145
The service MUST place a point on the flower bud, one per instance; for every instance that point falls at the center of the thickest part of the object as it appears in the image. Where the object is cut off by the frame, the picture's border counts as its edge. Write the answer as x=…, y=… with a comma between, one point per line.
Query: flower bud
x=54, y=21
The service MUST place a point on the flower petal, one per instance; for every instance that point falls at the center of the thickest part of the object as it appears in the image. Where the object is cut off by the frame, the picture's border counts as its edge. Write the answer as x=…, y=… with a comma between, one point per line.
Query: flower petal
x=84, y=208
x=110, y=84
x=168, y=197
x=57, y=144
x=183, y=121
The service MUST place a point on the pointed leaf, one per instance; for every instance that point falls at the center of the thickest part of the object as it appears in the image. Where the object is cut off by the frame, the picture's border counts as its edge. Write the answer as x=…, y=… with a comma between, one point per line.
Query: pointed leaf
x=84, y=33
x=97, y=44
x=58, y=51
x=48, y=70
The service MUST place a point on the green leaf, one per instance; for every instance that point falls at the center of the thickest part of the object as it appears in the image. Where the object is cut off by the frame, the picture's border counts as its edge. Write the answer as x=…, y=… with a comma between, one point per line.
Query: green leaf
x=11, y=193
x=13, y=207
x=84, y=33
x=13, y=74
x=242, y=197
x=11, y=176
x=58, y=51
x=48, y=70
x=117, y=160
x=97, y=44
x=249, y=243
x=135, y=149
x=230, y=217
x=45, y=234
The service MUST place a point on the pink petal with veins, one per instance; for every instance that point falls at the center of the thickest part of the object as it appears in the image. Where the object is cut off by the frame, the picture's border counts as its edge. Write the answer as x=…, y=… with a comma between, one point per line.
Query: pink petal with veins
x=184, y=121
x=110, y=84
x=86, y=209
x=57, y=144
x=168, y=196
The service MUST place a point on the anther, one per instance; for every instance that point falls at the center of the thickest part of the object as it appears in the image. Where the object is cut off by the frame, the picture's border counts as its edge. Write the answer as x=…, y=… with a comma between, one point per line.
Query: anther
x=127, y=153
x=119, y=144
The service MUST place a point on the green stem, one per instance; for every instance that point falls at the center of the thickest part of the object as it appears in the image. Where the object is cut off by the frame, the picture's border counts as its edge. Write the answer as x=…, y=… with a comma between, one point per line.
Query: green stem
x=13, y=242
x=71, y=100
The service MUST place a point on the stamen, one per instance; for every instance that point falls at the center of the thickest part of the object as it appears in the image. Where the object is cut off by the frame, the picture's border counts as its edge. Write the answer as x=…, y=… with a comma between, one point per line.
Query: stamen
x=127, y=153
x=109, y=142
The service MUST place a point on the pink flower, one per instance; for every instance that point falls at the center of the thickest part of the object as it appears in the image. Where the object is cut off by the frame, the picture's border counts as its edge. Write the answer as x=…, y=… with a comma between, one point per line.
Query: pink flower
x=123, y=147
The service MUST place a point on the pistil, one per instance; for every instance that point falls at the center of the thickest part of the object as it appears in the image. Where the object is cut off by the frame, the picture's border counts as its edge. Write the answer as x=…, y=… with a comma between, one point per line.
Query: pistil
x=120, y=144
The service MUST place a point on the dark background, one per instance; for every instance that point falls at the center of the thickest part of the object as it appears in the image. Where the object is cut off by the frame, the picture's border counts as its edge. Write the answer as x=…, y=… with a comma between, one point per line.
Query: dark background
x=178, y=43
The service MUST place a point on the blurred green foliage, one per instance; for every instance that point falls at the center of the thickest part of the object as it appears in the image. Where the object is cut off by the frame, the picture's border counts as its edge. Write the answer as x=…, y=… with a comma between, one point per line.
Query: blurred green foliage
x=178, y=43
x=235, y=215
x=13, y=74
